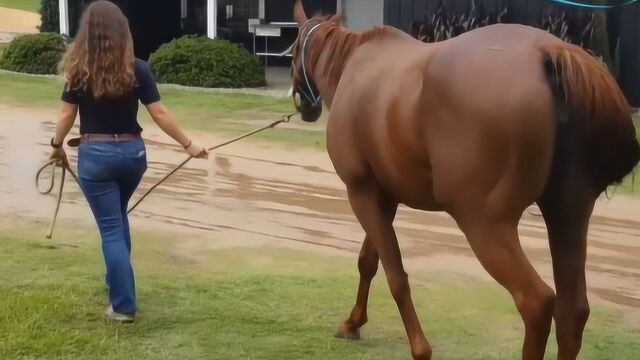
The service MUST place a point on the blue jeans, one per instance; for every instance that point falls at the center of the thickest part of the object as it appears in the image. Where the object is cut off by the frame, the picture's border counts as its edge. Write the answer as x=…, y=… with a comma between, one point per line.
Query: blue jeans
x=109, y=173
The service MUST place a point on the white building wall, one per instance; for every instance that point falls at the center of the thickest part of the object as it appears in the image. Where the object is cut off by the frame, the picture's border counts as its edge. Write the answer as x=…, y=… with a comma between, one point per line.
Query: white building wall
x=363, y=14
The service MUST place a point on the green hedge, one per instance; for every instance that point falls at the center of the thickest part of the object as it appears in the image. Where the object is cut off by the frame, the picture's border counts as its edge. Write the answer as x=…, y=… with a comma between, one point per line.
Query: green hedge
x=200, y=61
x=34, y=54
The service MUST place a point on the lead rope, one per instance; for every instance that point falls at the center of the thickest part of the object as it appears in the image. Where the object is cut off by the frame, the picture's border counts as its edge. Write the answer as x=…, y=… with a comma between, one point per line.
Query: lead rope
x=285, y=119
x=55, y=163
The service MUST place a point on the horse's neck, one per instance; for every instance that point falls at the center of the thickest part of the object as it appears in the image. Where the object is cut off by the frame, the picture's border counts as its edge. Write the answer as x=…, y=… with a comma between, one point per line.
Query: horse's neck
x=326, y=87
x=332, y=60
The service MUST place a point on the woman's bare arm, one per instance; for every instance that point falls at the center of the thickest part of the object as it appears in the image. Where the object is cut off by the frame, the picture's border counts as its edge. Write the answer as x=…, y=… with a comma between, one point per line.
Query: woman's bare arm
x=168, y=123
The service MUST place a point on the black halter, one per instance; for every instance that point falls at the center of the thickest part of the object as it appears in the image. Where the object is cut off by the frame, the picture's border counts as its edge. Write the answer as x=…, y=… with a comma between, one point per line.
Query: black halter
x=308, y=88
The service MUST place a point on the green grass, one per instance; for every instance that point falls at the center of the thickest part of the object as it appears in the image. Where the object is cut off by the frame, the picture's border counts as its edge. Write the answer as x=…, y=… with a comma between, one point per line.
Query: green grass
x=28, y=5
x=243, y=303
x=226, y=113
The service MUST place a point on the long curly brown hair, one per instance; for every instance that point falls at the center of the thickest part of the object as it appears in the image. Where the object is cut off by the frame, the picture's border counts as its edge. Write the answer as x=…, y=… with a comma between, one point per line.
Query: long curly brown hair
x=100, y=60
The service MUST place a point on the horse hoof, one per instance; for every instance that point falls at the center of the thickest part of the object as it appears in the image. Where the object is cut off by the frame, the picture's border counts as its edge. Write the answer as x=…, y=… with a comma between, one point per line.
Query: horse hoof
x=348, y=334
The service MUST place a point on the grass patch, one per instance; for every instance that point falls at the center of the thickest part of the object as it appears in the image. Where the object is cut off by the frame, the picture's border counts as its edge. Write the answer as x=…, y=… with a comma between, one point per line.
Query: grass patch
x=28, y=5
x=243, y=304
x=631, y=184
x=227, y=113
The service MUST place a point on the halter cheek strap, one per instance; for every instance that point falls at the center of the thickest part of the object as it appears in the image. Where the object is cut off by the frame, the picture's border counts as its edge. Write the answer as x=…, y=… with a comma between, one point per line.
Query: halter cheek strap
x=312, y=97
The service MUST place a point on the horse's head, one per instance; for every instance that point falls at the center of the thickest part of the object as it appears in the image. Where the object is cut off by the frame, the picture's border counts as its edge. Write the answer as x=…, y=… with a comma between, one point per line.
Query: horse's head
x=307, y=98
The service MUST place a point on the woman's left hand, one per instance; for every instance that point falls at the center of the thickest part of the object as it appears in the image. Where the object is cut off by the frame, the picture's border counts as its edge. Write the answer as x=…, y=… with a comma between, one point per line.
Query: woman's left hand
x=60, y=155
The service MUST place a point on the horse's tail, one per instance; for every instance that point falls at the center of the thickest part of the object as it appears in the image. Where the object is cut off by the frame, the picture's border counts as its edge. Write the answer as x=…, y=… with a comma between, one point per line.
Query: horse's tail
x=595, y=119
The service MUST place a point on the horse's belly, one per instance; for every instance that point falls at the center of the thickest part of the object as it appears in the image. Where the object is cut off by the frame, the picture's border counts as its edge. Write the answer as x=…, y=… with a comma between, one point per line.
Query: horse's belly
x=427, y=203
x=411, y=187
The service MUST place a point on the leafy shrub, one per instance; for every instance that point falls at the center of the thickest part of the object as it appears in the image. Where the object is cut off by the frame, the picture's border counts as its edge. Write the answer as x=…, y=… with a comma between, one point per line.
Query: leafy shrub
x=202, y=62
x=34, y=54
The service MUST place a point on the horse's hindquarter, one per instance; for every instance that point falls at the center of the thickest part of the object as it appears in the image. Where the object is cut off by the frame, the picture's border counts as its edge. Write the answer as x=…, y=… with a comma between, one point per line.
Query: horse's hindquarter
x=464, y=123
x=492, y=122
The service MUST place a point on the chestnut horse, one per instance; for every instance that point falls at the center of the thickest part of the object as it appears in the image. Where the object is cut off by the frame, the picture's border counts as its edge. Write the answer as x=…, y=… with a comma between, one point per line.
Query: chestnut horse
x=480, y=126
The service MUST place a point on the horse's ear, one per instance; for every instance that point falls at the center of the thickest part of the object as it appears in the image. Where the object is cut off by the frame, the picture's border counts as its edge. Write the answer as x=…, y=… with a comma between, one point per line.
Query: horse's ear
x=289, y=50
x=338, y=18
x=298, y=13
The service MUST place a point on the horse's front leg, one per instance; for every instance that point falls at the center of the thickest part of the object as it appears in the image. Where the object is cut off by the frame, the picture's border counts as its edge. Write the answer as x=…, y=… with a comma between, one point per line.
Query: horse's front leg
x=368, y=267
x=371, y=208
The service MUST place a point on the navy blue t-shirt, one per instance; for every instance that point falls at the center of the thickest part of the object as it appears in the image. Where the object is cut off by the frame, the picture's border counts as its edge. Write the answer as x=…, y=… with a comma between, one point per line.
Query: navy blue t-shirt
x=115, y=115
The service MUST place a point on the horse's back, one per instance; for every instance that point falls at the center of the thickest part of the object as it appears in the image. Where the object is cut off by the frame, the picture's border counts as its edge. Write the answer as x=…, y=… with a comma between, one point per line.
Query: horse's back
x=469, y=117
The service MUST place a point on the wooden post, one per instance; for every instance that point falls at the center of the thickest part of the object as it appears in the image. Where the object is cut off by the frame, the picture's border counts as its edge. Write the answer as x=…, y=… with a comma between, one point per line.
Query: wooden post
x=63, y=7
x=212, y=18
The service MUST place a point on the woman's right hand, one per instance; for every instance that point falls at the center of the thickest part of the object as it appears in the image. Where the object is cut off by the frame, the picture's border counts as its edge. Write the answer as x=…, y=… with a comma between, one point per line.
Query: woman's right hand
x=197, y=151
x=60, y=155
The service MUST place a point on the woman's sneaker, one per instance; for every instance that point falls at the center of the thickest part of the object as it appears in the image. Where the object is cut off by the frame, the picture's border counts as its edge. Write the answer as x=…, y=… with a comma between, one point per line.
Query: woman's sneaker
x=114, y=316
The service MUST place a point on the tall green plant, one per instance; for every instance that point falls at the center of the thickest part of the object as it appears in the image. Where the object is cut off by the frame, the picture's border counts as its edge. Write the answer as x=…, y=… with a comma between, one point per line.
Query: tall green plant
x=576, y=27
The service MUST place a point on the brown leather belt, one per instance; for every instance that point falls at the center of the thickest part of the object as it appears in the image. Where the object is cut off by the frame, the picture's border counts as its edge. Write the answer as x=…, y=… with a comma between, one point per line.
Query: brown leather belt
x=102, y=137
x=109, y=137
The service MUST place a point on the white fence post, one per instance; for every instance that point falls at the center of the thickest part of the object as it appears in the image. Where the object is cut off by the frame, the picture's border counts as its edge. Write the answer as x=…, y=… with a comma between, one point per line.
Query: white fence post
x=212, y=18
x=63, y=8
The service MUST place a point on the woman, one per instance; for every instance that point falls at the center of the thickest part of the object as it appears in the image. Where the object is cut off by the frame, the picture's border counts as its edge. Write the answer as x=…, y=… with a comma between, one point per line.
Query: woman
x=104, y=81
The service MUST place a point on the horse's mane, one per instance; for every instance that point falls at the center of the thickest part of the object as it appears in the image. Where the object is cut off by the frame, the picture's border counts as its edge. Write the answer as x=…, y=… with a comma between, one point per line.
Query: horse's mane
x=337, y=42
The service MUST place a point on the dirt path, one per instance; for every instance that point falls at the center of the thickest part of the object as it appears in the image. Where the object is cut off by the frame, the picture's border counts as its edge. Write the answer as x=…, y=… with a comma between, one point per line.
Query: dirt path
x=14, y=22
x=253, y=194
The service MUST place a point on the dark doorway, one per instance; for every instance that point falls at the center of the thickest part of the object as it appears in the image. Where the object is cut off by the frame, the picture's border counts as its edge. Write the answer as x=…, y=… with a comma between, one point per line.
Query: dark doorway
x=282, y=10
x=152, y=23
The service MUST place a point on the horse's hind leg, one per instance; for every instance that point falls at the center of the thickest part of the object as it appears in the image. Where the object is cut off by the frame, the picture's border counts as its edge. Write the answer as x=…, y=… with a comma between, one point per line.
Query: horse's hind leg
x=567, y=216
x=496, y=245
x=369, y=206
